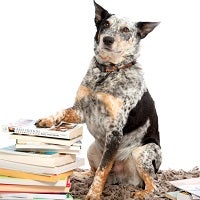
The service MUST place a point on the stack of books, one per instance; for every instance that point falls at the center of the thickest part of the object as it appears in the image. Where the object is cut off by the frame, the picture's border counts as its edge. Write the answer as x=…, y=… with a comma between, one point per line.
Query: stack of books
x=41, y=159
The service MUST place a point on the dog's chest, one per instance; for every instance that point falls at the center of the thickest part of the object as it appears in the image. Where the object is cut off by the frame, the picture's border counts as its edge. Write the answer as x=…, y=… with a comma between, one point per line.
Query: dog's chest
x=107, y=99
x=103, y=104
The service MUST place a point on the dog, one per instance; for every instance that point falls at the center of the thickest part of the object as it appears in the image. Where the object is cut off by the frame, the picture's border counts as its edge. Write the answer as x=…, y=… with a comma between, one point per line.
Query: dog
x=116, y=106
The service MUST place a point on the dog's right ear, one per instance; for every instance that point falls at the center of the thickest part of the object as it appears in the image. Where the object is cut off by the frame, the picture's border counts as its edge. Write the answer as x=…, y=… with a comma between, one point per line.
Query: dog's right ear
x=144, y=28
x=100, y=14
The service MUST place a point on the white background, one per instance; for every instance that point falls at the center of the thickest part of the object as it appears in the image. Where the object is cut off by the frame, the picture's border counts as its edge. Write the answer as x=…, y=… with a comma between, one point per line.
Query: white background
x=46, y=47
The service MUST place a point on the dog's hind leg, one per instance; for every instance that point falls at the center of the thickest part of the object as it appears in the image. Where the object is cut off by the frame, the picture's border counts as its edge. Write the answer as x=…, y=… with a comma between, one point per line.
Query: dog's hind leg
x=148, y=159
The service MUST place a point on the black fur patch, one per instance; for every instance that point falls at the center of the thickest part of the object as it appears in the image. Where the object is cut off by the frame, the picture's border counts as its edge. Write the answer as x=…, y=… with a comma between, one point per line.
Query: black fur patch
x=145, y=109
x=154, y=166
x=99, y=25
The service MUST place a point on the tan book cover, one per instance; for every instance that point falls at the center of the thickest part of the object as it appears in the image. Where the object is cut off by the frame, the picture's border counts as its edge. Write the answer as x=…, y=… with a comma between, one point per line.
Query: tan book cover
x=33, y=189
x=25, y=175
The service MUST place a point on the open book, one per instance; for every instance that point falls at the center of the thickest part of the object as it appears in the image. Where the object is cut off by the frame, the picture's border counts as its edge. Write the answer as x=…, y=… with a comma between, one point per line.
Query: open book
x=191, y=185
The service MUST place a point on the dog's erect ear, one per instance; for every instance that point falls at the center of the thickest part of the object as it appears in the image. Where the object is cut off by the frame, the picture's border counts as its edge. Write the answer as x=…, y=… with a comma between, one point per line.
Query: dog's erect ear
x=144, y=28
x=100, y=13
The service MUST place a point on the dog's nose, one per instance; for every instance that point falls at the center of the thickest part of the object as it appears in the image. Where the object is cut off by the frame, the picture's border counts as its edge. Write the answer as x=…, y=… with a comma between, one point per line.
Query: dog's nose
x=108, y=40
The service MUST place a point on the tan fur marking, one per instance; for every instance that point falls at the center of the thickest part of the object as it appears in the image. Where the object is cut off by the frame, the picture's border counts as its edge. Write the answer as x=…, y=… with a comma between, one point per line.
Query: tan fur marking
x=100, y=180
x=71, y=116
x=82, y=92
x=58, y=116
x=149, y=187
x=148, y=182
x=112, y=103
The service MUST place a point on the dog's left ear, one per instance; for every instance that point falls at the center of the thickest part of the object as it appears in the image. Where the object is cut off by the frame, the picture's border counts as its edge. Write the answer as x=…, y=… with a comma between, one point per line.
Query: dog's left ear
x=100, y=13
x=144, y=28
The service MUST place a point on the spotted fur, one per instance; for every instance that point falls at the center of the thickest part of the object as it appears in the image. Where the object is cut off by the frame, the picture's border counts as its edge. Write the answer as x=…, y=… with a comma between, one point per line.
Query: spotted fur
x=117, y=108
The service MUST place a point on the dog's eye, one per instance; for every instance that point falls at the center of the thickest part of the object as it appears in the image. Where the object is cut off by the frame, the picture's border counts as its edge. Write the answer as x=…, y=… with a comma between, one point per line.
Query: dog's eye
x=125, y=30
x=106, y=24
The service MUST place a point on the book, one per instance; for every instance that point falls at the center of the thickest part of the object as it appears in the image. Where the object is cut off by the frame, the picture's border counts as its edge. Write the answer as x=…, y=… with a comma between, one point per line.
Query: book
x=38, y=177
x=191, y=185
x=30, y=146
x=31, y=196
x=172, y=195
x=63, y=130
x=21, y=181
x=11, y=150
x=33, y=189
x=49, y=159
x=42, y=170
x=25, y=138
x=179, y=195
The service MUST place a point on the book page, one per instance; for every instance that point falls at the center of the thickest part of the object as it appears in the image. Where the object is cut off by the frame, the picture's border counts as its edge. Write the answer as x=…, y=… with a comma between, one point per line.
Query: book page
x=190, y=185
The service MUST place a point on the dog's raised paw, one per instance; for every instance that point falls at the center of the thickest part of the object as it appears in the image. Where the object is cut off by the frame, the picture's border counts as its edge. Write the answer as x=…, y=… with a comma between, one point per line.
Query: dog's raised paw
x=44, y=123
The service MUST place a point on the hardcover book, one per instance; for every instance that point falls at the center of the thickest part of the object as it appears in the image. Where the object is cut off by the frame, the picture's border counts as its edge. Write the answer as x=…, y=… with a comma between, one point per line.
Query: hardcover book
x=42, y=170
x=31, y=146
x=32, y=196
x=22, y=181
x=33, y=189
x=63, y=130
x=28, y=138
x=48, y=159
x=25, y=175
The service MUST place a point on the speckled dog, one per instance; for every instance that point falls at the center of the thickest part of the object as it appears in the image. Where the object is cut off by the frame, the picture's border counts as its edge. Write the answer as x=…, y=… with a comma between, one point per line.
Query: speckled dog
x=114, y=102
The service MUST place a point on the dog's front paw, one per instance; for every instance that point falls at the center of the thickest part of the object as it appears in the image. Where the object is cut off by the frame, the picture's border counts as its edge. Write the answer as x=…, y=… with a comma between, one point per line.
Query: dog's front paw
x=91, y=196
x=44, y=123
x=141, y=195
x=94, y=193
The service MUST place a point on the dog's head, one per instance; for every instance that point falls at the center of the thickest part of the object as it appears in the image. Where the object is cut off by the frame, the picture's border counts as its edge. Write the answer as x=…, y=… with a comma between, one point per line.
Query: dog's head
x=117, y=39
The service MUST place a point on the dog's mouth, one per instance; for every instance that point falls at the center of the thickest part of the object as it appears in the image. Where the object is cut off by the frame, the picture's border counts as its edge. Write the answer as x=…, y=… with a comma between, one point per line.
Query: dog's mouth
x=110, y=50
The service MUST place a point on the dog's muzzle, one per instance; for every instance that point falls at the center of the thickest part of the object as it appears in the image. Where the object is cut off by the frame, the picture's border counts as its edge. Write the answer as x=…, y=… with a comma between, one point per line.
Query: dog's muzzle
x=108, y=40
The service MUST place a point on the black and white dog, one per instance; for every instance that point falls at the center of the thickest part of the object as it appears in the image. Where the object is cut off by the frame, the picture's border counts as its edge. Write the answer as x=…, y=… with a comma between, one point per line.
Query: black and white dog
x=116, y=106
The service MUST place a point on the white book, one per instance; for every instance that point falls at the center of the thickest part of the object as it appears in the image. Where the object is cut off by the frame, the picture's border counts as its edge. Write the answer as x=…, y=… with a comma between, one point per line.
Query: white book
x=31, y=196
x=180, y=195
x=22, y=181
x=42, y=170
x=45, y=147
x=27, y=127
x=191, y=185
x=50, y=158
x=12, y=151
x=25, y=138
